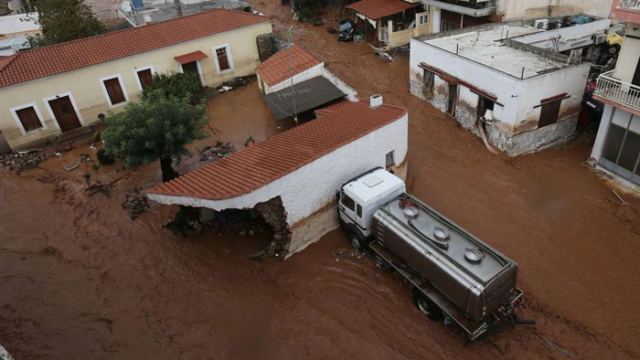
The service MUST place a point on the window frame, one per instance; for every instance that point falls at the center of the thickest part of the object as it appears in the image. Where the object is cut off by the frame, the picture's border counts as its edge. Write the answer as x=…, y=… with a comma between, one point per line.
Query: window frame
x=14, y=113
x=353, y=202
x=391, y=154
x=106, y=92
x=136, y=70
x=229, y=55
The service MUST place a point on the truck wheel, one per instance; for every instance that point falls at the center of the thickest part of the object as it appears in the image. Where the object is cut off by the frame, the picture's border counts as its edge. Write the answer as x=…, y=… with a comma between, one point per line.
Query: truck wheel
x=356, y=242
x=426, y=306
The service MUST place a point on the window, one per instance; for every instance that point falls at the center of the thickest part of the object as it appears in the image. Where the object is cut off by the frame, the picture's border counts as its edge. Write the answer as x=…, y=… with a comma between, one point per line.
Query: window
x=423, y=19
x=222, y=56
x=428, y=80
x=114, y=91
x=359, y=211
x=348, y=202
x=28, y=118
x=145, y=77
x=390, y=159
x=549, y=113
x=484, y=104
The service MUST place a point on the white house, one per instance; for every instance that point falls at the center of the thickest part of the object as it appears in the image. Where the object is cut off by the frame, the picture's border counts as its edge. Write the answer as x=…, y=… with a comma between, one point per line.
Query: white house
x=617, y=145
x=455, y=14
x=296, y=173
x=521, y=98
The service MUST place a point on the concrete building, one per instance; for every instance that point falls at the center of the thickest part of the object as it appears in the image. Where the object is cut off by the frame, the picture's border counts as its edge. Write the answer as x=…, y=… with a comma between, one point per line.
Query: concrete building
x=389, y=24
x=617, y=145
x=50, y=90
x=456, y=14
x=520, y=98
x=15, y=30
x=138, y=12
x=291, y=178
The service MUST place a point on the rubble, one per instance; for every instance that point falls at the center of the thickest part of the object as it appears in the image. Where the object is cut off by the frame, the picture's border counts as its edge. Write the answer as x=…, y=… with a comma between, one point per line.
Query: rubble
x=23, y=160
x=218, y=151
x=135, y=202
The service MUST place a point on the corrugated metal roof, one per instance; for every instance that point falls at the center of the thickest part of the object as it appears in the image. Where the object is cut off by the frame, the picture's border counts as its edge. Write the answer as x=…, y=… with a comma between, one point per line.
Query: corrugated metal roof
x=76, y=54
x=285, y=64
x=256, y=166
x=377, y=9
x=307, y=95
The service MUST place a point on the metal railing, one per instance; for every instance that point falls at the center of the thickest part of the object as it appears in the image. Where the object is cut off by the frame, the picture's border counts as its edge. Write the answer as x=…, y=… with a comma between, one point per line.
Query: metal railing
x=617, y=90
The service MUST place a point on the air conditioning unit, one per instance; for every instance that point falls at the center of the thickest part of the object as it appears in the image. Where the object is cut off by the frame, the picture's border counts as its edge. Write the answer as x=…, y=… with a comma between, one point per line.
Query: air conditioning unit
x=541, y=24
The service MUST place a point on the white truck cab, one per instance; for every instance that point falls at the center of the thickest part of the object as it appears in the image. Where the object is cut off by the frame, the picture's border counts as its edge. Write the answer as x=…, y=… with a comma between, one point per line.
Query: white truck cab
x=362, y=196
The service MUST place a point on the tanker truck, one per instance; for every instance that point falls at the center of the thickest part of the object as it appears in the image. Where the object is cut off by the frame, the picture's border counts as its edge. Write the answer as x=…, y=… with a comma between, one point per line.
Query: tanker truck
x=455, y=276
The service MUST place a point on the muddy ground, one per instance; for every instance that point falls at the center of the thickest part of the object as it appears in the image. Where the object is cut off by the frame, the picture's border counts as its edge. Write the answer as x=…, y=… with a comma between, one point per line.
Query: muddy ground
x=81, y=280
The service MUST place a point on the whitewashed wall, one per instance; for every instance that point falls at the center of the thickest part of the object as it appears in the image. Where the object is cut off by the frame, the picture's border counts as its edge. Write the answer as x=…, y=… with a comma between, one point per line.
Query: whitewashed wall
x=519, y=9
x=298, y=78
x=311, y=187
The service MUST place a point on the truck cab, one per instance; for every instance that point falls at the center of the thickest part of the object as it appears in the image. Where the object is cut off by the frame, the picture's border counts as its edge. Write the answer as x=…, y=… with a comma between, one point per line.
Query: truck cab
x=360, y=197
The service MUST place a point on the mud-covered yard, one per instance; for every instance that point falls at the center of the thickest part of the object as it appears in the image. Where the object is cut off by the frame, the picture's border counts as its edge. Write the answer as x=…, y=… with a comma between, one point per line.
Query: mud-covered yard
x=81, y=280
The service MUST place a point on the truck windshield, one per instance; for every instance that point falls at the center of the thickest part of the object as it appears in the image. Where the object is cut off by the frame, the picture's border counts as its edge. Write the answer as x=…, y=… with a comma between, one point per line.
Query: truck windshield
x=348, y=202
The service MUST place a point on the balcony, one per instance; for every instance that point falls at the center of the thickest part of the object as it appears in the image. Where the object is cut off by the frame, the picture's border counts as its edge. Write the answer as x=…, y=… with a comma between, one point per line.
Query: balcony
x=472, y=8
x=615, y=91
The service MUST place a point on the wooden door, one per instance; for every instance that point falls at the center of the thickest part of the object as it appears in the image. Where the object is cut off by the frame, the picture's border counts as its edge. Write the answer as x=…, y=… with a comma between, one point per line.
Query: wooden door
x=145, y=77
x=114, y=90
x=64, y=113
x=191, y=68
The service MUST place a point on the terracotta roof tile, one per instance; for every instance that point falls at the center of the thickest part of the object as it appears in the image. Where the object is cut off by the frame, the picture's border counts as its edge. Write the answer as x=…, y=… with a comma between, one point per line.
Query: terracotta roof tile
x=286, y=63
x=72, y=55
x=376, y=9
x=256, y=166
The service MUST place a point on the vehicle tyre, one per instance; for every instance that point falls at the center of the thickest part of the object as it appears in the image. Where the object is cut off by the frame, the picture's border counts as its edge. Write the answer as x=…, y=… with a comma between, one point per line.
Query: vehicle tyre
x=357, y=242
x=426, y=306
x=614, y=49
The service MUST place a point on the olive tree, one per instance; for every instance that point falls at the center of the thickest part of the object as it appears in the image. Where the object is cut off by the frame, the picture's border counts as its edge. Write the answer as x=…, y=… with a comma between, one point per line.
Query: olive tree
x=180, y=85
x=159, y=127
x=65, y=20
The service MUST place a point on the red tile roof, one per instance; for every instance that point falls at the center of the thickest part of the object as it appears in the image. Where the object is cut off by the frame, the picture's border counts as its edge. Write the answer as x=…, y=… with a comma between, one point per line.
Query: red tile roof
x=256, y=166
x=286, y=63
x=377, y=9
x=76, y=54
x=191, y=57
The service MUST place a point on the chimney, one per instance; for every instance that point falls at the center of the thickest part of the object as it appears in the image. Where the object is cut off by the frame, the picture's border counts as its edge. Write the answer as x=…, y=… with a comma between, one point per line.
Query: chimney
x=375, y=101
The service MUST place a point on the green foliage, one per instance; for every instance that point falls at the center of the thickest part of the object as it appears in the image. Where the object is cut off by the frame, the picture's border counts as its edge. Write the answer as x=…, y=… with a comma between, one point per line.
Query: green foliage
x=308, y=9
x=65, y=20
x=104, y=158
x=158, y=127
x=181, y=86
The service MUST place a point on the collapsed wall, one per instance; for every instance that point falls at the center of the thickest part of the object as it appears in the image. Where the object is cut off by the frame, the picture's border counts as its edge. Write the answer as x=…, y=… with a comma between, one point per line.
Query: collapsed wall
x=292, y=178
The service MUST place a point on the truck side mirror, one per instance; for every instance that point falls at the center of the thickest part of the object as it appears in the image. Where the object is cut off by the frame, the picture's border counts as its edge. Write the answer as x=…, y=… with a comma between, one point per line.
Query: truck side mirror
x=338, y=195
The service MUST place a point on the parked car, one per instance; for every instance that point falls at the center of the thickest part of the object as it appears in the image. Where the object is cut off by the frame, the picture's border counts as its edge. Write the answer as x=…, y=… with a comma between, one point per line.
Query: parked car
x=346, y=30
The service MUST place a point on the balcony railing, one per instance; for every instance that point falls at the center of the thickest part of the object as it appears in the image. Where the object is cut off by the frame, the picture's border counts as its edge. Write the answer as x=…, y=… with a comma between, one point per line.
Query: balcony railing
x=616, y=90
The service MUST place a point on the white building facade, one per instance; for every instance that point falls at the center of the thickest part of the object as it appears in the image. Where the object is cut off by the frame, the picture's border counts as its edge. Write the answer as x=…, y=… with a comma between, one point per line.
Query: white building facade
x=617, y=146
x=522, y=101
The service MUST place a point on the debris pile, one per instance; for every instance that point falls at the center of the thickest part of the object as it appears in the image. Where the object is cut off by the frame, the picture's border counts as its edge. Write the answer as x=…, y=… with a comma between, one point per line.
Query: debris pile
x=135, y=202
x=23, y=160
x=218, y=151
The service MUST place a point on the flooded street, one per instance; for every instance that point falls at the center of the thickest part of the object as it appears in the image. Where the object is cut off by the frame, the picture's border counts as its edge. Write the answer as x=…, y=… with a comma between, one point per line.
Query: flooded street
x=81, y=280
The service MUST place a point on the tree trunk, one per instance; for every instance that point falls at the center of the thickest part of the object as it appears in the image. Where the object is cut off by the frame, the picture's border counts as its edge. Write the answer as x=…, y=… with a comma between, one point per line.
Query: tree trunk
x=168, y=173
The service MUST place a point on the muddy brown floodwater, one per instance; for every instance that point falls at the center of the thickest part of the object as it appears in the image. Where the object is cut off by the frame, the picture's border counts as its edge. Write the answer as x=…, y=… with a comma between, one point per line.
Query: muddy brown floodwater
x=80, y=280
